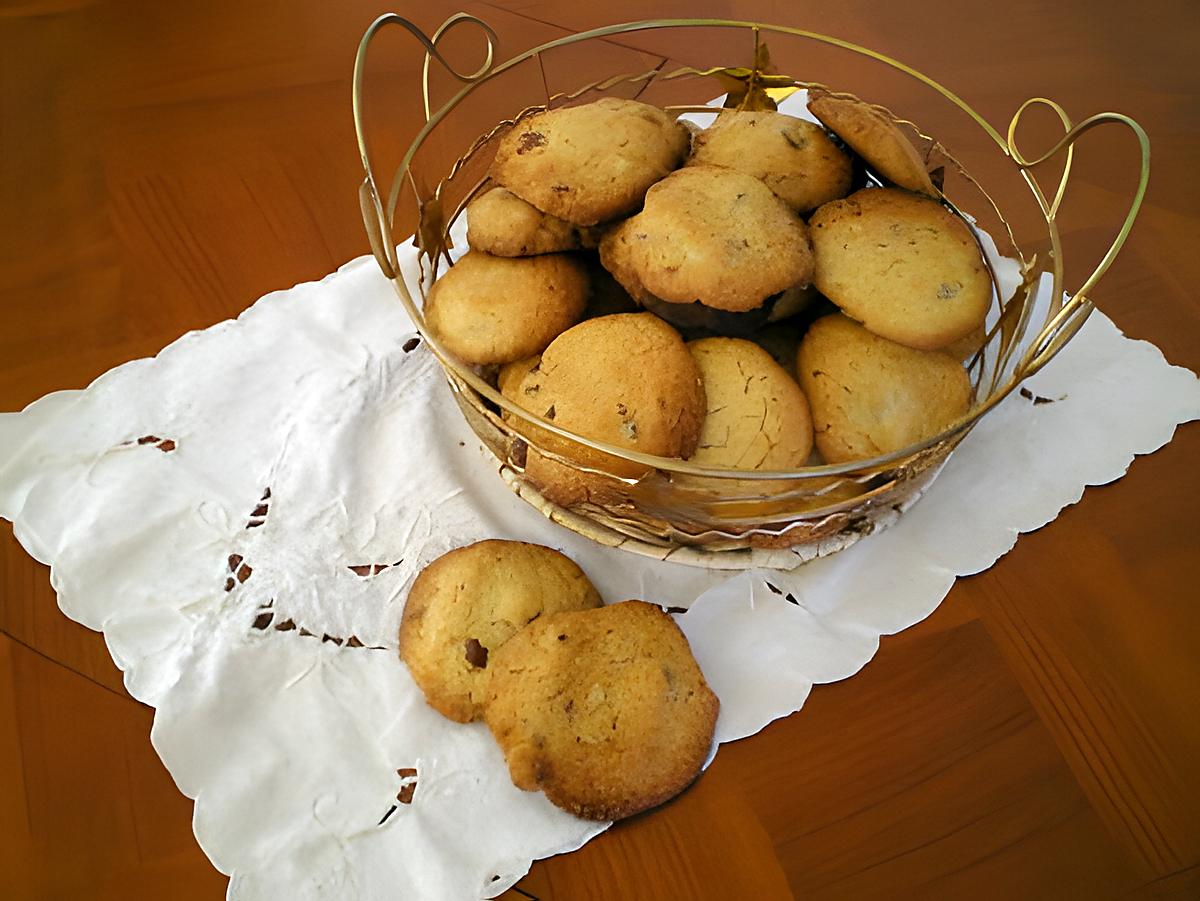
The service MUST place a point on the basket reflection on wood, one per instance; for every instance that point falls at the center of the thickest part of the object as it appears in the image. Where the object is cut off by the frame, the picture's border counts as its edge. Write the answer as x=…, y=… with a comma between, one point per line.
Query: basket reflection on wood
x=670, y=507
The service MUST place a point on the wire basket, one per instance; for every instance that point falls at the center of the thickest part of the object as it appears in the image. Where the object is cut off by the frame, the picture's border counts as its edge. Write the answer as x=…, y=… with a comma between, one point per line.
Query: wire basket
x=667, y=507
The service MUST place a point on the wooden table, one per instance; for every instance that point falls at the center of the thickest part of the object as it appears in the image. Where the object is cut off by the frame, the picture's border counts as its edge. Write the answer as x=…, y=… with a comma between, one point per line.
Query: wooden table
x=165, y=164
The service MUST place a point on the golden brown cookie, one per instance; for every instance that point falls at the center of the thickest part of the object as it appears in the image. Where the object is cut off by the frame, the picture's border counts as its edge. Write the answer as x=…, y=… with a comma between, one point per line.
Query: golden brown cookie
x=626, y=380
x=903, y=265
x=758, y=418
x=591, y=163
x=466, y=604
x=511, y=375
x=872, y=396
x=711, y=235
x=606, y=711
x=501, y=223
x=874, y=136
x=489, y=309
x=792, y=157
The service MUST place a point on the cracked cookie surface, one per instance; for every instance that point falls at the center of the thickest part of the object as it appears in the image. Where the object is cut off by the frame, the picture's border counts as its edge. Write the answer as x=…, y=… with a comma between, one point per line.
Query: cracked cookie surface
x=606, y=710
x=901, y=264
x=872, y=396
x=466, y=604
x=758, y=418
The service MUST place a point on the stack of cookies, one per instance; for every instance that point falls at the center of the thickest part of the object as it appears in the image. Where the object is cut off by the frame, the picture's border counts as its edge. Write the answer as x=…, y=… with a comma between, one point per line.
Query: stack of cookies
x=602, y=708
x=762, y=294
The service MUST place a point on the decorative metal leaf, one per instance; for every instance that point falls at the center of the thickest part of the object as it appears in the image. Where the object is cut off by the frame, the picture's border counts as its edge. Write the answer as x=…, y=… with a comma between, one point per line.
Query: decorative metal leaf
x=757, y=88
x=432, y=238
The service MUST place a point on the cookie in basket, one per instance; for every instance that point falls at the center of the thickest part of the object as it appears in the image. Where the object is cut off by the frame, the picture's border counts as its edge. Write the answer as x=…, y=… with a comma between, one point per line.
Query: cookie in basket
x=758, y=418
x=501, y=223
x=903, y=265
x=591, y=163
x=466, y=604
x=711, y=235
x=872, y=396
x=874, y=136
x=489, y=309
x=605, y=710
x=792, y=157
x=626, y=380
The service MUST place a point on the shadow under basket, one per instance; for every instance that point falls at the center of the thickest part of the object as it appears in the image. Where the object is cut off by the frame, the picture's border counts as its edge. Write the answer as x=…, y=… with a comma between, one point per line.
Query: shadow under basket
x=669, y=508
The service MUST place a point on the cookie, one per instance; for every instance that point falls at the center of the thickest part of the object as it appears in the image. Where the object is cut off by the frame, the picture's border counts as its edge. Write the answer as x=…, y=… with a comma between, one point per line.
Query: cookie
x=511, y=375
x=605, y=711
x=903, y=265
x=874, y=135
x=488, y=309
x=792, y=157
x=626, y=380
x=711, y=235
x=591, y=163
x=757, y=418
x=465, y=605
x=501, y=223
x=871, y=396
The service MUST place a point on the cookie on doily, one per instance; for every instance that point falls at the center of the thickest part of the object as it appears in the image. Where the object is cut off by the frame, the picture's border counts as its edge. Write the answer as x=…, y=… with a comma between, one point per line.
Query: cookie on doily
x=792, y=157
x=903, y=265
x=489, y=309
x=605, y=710
x=466, y=604
x=501, y=223
x=871, y=396
x=591, y=163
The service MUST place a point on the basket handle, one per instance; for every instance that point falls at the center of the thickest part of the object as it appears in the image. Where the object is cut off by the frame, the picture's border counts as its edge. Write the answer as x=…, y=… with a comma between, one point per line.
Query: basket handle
x=1071, y=317
x=376, y=217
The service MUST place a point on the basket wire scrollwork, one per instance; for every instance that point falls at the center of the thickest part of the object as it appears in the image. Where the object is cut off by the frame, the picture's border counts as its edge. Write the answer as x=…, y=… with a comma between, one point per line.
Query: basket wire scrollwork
x=674, y=508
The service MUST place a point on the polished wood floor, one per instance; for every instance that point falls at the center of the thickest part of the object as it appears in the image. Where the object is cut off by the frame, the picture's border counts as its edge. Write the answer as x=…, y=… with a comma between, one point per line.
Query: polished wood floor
x=162, y=165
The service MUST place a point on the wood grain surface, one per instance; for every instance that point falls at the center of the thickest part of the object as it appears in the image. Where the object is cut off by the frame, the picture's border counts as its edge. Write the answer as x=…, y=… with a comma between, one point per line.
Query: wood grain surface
x=163, y=165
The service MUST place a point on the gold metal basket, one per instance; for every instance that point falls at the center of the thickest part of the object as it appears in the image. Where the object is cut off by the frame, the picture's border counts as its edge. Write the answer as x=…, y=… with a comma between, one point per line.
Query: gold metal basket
x=729, y=519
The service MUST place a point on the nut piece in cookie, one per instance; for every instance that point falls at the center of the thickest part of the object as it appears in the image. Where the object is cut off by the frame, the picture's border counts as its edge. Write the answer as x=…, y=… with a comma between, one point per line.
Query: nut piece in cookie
x=792, y=157
x=758, y=418
x=489, y=309
x=871, y=396
x=903, y=265
x=711, y=235
x=606, y=711
x=874, y=136
x=591, y=163
x=626, y=380
x=466, y=604
x=501, y=223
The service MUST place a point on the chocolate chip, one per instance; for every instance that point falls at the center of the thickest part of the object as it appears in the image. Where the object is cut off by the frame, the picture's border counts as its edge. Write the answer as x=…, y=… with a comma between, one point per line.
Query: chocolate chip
x=411, y=344
x=477, y=654
x=530, y=140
